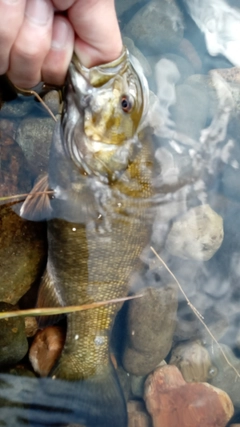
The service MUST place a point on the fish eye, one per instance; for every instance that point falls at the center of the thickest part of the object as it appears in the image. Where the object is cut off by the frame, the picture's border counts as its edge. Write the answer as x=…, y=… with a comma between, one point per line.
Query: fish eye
x=126, y=104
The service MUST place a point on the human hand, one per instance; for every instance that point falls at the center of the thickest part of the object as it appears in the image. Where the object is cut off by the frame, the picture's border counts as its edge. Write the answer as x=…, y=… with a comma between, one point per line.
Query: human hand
x=37, y=37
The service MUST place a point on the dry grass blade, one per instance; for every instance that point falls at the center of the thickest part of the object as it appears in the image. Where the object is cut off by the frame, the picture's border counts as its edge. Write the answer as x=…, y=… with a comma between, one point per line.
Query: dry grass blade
x=32, y=92
x=23, y=196
x=63, y=310
x=196, y=312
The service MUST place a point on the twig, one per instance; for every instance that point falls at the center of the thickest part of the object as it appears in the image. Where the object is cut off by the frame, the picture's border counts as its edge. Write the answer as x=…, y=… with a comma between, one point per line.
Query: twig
x=32, y=92
x=196, y=312
x=49, y=311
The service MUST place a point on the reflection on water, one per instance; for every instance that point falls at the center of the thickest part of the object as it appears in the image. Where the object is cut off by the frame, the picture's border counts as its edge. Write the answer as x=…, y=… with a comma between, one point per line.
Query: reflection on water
x=187, y=49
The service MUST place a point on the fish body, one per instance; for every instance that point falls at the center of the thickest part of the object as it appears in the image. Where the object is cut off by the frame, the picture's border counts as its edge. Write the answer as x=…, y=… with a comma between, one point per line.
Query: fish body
x=99, y=222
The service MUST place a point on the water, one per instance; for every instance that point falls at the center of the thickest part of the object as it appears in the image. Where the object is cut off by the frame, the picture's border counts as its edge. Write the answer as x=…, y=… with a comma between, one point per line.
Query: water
x=194, y=115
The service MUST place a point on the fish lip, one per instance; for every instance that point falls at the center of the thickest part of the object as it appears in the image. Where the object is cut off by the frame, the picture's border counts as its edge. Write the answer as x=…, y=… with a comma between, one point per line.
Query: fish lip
x=84, y=157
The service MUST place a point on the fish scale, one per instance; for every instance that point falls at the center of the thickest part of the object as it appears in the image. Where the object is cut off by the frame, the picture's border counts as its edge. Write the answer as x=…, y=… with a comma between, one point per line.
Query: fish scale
x=98, y=266
x=99, y=221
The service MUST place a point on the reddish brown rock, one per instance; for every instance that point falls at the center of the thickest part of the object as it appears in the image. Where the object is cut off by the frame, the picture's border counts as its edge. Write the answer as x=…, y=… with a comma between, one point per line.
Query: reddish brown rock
x=137, y=415
x=46, y=349
x=173, y=403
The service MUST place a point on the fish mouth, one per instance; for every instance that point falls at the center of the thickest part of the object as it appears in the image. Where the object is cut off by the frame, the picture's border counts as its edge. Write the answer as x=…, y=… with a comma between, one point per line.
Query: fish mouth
x=106, y=161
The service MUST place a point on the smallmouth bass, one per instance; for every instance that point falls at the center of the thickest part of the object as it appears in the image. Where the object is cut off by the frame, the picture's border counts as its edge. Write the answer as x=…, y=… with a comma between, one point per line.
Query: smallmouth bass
x=100, y=169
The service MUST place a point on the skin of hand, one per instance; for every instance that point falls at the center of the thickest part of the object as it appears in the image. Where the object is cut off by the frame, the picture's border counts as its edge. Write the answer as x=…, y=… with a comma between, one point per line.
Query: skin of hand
x=37, y=37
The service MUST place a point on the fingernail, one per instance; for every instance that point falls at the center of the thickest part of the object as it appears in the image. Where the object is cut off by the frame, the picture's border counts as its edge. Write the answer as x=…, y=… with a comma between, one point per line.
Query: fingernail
x=10, y=1
x=59, y=35
x=38, y=11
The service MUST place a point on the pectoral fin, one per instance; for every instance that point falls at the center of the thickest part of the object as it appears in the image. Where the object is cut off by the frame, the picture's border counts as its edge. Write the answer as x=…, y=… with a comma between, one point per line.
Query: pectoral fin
x=37, y=206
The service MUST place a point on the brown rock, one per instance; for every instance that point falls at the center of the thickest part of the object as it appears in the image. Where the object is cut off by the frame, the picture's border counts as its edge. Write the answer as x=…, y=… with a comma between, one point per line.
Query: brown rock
x=137, y=414
x=22, y=243
x=46, y=349
x=173, y=403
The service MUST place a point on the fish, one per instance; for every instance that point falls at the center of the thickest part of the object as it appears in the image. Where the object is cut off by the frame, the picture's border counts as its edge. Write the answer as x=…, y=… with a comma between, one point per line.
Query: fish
x=98, y=219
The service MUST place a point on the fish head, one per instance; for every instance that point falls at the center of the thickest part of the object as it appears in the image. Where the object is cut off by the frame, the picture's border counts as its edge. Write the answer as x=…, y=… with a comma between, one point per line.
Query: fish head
x=105, y=106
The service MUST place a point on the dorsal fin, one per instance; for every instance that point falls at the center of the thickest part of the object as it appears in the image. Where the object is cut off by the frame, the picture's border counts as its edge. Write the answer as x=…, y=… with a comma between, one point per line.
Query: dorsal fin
x=37, y=206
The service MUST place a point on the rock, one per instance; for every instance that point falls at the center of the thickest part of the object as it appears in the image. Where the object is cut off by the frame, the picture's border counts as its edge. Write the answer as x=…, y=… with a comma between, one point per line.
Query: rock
x=198, y=234
x=190, y=112
x=22, y=254
x=22, y=243
x=189, y=326
x=184, y=67
x=125, y=381
x=137, y=415
x=45, y=349
x=225, y=376
x=34, y=136
x=188, y=50
x=150, y=328
x=17, y=108
x=173, y=402
x=52, y=100
x=13, y=341
x=20, y=371
x=137, y=385
x=124, y=5
x=31, y=326
x=156, y=27
x=193, y=361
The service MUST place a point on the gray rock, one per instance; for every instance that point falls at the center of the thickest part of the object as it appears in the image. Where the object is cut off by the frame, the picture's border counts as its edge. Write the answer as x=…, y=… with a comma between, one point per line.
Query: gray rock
x=151, y=324
x=52, y=100
x=34, y=136
x=125, y=381
x=13, y=341
x=190, y=113
x=124, y=5
x=18, y=108
x=157, y=27
x=184, y=67
x=137, y=386
x=223, y=375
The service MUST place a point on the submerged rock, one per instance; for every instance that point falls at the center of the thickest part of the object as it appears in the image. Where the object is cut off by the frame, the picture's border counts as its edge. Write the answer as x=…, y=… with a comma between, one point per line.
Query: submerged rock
x=151, y=324
x=193, y=361
x=196, y=235
x=22, y=243
x=156, y=27
x=13, y=341
x=224, y=375
x=46, y=348
x=137, y=415
x=173, y=402
x=34, y=136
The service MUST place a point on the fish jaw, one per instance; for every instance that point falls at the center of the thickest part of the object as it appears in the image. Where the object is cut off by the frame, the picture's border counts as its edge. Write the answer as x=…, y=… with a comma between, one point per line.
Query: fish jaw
x=100, y=136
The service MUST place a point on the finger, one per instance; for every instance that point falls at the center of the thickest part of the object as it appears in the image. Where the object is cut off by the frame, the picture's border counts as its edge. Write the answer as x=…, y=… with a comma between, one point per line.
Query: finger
x=32, y=44
x=99, y=39
x=60, y=5
x=56, y=63
x=12, y=15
